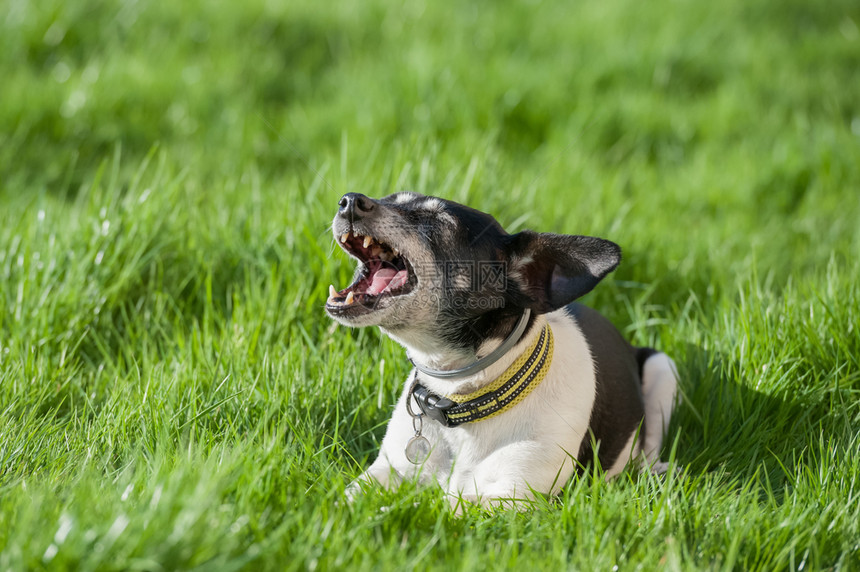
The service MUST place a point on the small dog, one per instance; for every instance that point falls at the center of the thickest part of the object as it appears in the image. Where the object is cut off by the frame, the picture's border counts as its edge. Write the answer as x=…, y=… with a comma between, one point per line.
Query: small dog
x=514, y=387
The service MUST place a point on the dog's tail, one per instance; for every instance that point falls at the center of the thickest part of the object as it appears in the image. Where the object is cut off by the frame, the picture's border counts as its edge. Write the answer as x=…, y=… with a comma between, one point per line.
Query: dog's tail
x=659, y=389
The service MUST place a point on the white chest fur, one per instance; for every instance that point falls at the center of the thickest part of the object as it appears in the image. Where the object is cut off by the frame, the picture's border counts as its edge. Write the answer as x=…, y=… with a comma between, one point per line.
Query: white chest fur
x=533, y=445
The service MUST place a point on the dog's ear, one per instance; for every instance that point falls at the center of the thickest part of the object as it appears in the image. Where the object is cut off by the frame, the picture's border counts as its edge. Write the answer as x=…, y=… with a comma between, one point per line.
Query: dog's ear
x=553, y=270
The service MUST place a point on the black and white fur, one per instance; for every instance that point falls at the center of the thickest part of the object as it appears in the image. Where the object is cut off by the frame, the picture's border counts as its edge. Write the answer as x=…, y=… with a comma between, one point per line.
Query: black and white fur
x=599, y=389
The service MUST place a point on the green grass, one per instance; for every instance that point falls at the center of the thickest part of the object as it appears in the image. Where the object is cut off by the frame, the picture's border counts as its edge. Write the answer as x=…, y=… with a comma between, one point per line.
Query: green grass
x=172, y=395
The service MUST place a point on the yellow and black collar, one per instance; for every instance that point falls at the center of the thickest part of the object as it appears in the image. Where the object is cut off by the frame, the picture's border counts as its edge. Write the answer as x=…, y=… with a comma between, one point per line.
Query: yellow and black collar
x=506, y=391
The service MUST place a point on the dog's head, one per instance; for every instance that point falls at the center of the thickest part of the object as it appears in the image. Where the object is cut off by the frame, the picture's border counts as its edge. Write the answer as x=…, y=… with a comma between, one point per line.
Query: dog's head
x=438, y=271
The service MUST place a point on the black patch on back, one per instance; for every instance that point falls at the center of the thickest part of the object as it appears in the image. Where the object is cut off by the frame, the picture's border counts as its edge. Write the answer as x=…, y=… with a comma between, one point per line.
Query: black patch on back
x=618, y=409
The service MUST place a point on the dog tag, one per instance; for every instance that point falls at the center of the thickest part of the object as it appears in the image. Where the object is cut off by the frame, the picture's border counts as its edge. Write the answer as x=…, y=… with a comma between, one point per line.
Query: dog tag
x=417, y=450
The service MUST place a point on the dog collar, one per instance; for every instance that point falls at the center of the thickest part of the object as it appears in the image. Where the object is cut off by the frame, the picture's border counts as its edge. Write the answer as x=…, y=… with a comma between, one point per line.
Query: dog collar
x=485, y=361
x=506, y=391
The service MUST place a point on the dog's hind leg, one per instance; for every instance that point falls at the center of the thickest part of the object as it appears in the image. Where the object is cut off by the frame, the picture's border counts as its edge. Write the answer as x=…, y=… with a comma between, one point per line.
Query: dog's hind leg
x=659, y=387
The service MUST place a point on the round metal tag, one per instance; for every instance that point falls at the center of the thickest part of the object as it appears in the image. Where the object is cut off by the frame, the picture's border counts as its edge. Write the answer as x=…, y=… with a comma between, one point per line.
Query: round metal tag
x=417, y=450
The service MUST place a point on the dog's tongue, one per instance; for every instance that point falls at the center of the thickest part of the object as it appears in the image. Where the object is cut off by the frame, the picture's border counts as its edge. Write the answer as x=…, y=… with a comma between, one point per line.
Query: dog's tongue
x=386, y=279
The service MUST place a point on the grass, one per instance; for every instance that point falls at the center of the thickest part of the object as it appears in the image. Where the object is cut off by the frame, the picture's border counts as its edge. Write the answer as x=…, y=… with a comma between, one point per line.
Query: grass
x=172, y=395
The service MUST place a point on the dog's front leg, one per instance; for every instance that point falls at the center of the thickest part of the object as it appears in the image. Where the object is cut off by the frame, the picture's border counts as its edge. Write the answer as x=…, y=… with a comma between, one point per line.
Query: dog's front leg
x=510, y=476
x=381, y=472
x=392, y=467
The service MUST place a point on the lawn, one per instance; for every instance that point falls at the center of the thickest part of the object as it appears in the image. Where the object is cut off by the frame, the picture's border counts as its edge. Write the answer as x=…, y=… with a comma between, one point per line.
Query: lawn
x=172, y=394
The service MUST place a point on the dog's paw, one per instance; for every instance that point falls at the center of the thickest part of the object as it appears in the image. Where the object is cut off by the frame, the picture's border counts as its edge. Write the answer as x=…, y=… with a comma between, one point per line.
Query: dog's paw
x=662, y=469
x=459, y=503
x=659, y=468
x=353, y=491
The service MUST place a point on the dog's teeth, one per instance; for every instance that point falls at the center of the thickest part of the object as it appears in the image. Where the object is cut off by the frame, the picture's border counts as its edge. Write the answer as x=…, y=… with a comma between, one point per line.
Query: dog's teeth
x=350, y=298
x=332, y=293
x=375, y=251
x=344, y=236
x=367, y=241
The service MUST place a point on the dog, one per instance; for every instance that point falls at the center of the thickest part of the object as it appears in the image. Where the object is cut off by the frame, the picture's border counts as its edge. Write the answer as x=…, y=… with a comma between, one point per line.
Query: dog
x=515, y=387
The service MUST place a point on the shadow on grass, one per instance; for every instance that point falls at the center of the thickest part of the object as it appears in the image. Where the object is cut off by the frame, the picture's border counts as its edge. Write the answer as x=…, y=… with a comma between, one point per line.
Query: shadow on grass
x=724, y=422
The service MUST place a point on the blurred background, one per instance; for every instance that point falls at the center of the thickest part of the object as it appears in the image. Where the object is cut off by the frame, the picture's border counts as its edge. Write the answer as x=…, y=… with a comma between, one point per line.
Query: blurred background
x=741, y=108
x=740, y=119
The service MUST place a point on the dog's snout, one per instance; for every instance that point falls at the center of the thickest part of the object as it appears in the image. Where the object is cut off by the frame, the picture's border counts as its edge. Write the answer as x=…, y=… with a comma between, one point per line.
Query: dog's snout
x=355, y=205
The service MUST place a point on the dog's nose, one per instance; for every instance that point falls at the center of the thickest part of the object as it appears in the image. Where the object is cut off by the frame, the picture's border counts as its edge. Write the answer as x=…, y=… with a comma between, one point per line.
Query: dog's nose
x=355, y=205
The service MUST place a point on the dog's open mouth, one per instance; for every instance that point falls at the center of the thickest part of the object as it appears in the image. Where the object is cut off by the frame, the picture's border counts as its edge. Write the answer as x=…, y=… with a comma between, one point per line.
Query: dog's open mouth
x=383, y=272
